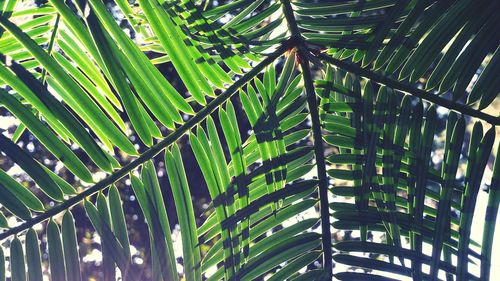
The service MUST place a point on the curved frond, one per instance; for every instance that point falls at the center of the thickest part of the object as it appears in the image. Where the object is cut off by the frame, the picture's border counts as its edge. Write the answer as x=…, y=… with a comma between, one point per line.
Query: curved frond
x=329, y=136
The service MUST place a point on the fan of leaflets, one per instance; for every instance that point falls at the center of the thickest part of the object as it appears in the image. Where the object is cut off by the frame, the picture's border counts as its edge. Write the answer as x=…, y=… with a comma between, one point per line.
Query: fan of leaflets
x=342, y=99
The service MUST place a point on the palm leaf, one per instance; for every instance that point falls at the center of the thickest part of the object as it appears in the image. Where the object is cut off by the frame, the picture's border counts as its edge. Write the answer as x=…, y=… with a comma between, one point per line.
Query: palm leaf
x=343, y=100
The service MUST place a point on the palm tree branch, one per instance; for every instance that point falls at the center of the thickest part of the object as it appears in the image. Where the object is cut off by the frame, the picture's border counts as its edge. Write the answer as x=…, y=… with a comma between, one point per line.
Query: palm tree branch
x=347, y=126
x=154, y=150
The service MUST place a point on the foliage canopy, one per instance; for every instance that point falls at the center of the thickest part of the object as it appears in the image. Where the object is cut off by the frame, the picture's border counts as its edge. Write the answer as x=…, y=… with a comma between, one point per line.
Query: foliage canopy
x=344, y=100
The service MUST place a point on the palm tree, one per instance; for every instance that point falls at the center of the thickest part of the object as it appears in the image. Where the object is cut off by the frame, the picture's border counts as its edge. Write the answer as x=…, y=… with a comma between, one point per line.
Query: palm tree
x=344, y=98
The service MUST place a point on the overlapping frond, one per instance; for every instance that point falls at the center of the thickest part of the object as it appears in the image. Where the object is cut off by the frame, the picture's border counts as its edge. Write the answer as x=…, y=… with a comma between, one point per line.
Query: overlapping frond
x=428, y=42
x=382, y=158
x=333, y=94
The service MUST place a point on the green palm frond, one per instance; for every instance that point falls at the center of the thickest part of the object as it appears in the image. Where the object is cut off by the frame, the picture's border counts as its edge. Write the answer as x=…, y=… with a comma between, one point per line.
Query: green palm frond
x=396, y=199
x=348, y=105
x=405, y=38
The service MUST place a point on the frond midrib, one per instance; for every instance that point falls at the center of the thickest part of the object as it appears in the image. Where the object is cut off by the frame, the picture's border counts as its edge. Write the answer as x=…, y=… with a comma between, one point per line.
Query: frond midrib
x=302, y=53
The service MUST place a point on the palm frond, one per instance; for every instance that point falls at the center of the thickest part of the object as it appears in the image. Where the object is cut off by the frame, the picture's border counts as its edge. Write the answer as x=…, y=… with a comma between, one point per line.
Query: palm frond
x=343, y=101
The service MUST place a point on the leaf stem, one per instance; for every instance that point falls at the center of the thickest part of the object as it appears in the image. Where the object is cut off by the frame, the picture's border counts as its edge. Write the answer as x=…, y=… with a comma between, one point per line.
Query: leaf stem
x=414, y=91
x=320, y=163
x=302, y=53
